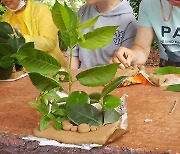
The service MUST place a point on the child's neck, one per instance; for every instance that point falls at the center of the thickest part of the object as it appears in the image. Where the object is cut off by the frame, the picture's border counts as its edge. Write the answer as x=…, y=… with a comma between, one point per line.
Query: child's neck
x=107, y=5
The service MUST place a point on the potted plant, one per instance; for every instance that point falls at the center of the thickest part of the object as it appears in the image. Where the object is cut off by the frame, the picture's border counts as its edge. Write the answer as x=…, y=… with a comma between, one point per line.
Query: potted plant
x=11, y=41
x=46, y=74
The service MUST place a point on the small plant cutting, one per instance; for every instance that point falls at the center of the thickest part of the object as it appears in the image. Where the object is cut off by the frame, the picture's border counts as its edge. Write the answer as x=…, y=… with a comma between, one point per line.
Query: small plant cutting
x=11, y=41
x=78, y=117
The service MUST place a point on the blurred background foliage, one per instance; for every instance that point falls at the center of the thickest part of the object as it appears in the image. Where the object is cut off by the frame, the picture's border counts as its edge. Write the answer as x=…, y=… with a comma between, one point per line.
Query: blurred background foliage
x=135, y=5
x=2, y=10
x=76, y=4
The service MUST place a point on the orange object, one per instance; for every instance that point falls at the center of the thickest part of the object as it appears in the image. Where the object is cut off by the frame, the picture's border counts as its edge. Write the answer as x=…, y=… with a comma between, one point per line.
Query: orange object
x=139, y=78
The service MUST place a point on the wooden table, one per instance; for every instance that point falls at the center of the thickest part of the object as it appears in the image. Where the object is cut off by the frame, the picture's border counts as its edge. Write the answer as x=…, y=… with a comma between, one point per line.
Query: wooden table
x=151, y=127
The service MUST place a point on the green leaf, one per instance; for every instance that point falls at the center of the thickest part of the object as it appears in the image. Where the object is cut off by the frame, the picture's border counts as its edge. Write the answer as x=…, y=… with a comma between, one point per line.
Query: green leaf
x=54, y=107
x=73, y=19
x=51, y=116
x=5, y=49
x=45, y=100
x=57, y=125
x=168, y=70
x=69, y=39
x=61, y=119
x=98, y=38
x=94, y=97
x=111, y=116
x=5, y=73
x=60, y=16
x=111, y=102
x=80, y=35
x=111, y=86
x=44, y=122
x=6, y=27
x=65, y=36
x=37, y=61
x=84, y=113
x=175, y=88
x=62, y=45
x=39, y=108
x=34, y=104
x=77, y=97
x=27, y=45
x=60, y=112
x=43, y=83
x=62, y=100
x=73, y=39
x=97, y=76
x=3, y=36
x=15, y=43
x=52, y=94
x=89, y=23
x=6, y=61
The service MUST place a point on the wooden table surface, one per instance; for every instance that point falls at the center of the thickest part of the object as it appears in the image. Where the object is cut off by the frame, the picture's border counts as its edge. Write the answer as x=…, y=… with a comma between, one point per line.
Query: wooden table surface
x=144, y=102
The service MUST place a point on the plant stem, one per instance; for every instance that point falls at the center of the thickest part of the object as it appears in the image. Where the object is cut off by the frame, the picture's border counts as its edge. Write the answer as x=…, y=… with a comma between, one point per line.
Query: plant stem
x=69, y=71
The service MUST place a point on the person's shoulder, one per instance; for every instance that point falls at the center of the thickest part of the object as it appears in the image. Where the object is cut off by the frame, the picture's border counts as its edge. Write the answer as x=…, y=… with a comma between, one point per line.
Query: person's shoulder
x=39, y=8
x=146, y=1
x=127, y=19
x=149, y=3
x=124, y=10
x=39, y=5
x=84, y=9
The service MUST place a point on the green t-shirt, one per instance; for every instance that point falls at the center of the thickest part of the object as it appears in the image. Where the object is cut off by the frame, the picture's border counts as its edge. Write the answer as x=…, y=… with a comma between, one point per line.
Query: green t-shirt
x=167, y=33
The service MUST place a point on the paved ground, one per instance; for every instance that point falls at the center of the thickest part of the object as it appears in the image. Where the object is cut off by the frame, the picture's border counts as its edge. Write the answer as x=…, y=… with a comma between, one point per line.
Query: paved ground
x=145, y=102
